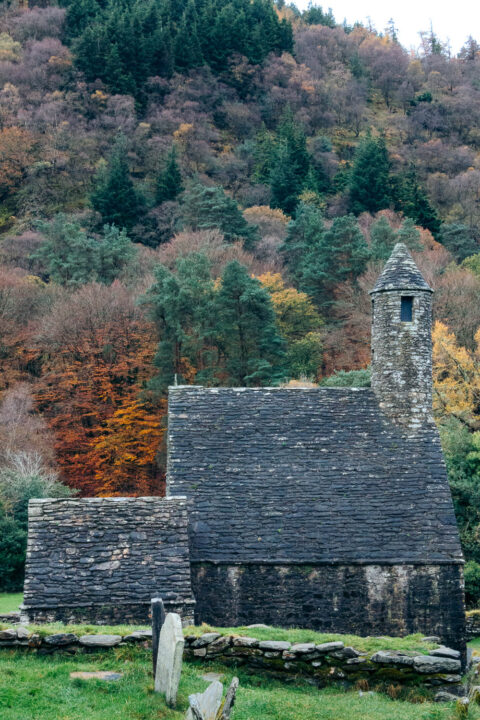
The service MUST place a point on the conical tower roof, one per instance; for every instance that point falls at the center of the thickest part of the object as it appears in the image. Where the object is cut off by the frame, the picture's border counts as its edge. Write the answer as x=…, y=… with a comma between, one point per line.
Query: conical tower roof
x=401, y=273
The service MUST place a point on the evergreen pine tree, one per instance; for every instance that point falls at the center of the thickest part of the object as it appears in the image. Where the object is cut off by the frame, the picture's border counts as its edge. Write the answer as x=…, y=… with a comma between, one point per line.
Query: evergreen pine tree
x=413, y=201
x=188, y=53
x=383, y=238
x=291, y=165
x=114, y=195
x=369, y=177
x=459, y=240
x=181, y=305
x=209, y=207
x=247, y=331
x=169, y=181
x=318, y=259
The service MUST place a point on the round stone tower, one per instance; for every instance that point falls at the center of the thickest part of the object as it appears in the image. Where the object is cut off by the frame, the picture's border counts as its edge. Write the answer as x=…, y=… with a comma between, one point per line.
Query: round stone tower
x=402, y=341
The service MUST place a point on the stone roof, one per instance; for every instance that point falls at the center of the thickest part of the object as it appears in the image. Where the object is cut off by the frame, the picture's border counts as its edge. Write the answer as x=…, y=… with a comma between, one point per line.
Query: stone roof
x=306, y=475
x=401, y=273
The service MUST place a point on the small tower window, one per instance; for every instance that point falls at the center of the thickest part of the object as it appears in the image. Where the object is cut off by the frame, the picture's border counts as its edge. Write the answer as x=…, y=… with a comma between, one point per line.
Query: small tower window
x=406, y=309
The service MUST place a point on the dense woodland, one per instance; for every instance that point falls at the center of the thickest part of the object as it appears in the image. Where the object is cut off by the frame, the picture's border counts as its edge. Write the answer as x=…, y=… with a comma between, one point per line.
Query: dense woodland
x=203, y=191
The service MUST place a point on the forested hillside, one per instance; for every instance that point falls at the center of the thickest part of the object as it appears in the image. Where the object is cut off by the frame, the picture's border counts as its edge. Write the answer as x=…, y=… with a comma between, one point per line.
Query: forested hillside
x=205, y=190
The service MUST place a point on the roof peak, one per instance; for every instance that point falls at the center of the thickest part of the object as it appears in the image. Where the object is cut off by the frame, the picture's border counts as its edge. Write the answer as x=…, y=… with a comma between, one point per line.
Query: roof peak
x=401, y=273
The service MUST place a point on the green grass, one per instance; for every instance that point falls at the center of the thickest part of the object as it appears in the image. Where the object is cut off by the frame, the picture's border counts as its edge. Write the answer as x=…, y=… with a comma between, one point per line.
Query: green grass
x=9, y=602
x=296, y=635
x=36, y=687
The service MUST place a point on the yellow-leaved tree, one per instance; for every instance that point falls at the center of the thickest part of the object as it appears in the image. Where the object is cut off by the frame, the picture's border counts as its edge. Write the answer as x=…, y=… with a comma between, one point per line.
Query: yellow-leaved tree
x=456, y=375
x=299, y=324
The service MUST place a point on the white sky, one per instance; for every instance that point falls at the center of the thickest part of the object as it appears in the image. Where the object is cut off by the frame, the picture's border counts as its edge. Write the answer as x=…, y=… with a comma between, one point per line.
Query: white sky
x=451, y=21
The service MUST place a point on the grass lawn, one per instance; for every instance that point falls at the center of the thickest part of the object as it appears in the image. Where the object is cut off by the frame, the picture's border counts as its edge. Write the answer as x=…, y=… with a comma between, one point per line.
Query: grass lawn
x=39, y=688
x=9, y=602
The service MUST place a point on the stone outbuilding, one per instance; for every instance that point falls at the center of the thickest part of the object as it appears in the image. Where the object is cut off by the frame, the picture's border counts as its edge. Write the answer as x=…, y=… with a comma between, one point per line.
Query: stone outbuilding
x=326, y=508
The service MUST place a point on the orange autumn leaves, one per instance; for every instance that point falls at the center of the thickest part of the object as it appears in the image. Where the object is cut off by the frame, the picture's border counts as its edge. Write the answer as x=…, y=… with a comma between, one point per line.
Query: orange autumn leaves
x=101, y=356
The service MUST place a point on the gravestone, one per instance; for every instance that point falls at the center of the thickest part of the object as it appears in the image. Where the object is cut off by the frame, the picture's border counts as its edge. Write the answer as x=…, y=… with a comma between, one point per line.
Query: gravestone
x=204, y=706
x=230, y=697
x=169, y=660
x=158, y=618
x=208, y=705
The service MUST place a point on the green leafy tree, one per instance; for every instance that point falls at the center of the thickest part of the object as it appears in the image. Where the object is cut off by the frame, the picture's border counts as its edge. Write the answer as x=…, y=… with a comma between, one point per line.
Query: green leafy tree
x=169, y=181
x=114, y=195
x=305, y=356
x=349, y=378
x=247, y=332
x=369, y=178
x=209, y=207
x=459, y=240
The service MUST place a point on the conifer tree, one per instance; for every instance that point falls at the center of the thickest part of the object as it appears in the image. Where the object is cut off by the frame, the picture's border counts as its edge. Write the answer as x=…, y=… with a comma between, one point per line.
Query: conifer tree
x=114, y=195
x=188, y=53
x=383, y=238
x=291, y=166
x=209, y=207
x=369, y=177
x=169, y=181
x=247, y=331
x=413, y=201
x=181, y=306
x=318, y=259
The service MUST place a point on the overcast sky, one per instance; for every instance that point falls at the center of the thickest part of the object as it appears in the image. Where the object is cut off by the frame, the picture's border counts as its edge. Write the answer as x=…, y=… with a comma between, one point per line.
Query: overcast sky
x=451, y=21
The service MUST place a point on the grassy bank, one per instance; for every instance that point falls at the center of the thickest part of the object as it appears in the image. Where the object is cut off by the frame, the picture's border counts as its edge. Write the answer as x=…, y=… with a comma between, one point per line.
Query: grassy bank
x=9, y=602
x=40, y=688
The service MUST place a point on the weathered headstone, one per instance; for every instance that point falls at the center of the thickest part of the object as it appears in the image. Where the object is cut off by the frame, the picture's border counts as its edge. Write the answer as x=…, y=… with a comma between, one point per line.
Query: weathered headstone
x=205, y=705
x=158, y=618
x=169, y=660
x=208, y=705
x=227, y=708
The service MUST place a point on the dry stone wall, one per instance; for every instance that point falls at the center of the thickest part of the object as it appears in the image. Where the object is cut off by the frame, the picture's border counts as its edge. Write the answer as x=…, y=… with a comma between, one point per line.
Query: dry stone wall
x=103, y=559
x=326, y=663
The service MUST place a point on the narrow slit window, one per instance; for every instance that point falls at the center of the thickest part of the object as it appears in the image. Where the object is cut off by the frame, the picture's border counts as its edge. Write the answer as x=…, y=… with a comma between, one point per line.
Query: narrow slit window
x=406, y=309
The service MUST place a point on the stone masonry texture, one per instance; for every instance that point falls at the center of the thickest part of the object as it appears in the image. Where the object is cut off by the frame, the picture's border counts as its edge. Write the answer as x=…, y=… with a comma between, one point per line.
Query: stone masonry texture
x=103, y=559
x=364, y=600
x=402, y=351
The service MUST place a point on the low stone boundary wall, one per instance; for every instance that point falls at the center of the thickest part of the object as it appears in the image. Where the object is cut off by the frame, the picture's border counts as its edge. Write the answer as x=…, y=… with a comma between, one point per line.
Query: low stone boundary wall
x=328, y=663
x=472, y=625
x=333, y=662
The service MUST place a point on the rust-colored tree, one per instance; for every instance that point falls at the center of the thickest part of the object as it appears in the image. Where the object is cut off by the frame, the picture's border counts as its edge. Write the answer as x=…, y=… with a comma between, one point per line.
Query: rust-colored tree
x=99, y=350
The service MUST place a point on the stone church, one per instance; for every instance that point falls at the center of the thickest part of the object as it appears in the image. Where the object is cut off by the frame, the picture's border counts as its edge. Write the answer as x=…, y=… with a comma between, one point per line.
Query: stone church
x=326, y=508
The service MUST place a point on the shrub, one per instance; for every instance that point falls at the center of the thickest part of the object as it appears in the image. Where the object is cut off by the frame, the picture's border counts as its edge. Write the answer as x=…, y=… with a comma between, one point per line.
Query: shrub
x=22, y=478
x=352, y=378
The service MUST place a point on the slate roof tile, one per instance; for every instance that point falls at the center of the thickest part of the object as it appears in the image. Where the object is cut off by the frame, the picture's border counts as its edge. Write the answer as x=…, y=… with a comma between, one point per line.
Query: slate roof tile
x=306, y=475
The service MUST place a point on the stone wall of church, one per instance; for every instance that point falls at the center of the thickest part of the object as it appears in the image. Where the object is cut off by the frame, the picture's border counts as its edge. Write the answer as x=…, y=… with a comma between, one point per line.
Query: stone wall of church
x=102, y=559
x=360, y=599
x=402, y=357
